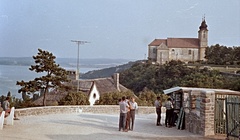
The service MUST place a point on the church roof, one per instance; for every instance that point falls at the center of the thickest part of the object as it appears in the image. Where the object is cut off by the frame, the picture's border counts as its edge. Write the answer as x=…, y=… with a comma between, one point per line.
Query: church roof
x=177, y=42
x=157, y=42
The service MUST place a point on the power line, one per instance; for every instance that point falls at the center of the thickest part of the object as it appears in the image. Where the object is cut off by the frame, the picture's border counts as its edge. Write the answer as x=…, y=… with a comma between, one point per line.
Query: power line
x=78, y=42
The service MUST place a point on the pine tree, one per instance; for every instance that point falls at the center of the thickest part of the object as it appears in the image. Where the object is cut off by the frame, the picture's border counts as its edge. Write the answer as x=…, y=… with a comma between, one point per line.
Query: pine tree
x=54, y=76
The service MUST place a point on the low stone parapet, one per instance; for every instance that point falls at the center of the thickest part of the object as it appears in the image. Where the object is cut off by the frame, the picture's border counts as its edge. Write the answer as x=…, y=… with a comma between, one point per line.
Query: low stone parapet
x=98, y=109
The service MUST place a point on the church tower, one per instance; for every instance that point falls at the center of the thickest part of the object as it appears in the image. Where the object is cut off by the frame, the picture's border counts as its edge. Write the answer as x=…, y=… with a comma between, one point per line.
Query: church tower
x=203, y=39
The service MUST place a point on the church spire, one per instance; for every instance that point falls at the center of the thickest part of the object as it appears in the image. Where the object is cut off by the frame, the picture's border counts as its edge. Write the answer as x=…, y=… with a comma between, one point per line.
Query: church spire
x=203, y=24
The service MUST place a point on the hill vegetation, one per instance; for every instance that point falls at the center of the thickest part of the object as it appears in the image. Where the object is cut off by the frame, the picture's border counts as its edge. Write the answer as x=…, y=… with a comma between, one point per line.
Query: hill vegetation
x=174, y=73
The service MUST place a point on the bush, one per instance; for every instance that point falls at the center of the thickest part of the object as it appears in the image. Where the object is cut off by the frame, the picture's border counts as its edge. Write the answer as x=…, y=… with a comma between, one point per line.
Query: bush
x=112, y=98
x=74, y=98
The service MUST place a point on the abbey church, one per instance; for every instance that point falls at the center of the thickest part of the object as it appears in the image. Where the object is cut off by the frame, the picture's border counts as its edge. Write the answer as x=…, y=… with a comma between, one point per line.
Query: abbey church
x=184, y=49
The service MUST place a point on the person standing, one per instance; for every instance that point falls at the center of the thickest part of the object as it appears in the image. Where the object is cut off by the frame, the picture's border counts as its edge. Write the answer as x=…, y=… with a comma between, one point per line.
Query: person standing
x=128, y=113
x=6, y=105
x=169, y=112
x=158, y=106
x=134, y=107
x=7, y=109
x=123, y=114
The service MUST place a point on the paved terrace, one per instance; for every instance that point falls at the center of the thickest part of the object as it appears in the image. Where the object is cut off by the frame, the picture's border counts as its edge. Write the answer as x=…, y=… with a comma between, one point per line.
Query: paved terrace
x=77, y=124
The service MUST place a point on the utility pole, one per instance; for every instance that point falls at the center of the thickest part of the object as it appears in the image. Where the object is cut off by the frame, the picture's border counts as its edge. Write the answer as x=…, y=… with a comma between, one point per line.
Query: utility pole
x=78, y=42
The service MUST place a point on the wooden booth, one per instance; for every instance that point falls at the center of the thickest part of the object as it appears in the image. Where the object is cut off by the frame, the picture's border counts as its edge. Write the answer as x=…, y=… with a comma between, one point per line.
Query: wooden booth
x=207, y=111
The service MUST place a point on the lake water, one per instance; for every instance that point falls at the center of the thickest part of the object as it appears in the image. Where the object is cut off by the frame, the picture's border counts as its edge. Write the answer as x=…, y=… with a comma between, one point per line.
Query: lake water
x=10, y=74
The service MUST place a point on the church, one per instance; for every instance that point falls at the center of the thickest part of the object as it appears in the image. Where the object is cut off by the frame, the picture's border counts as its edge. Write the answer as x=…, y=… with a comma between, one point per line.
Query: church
x=185, y=49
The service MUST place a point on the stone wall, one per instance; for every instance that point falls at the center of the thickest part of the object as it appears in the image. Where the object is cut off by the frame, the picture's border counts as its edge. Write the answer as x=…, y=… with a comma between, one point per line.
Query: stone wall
x=193, y=122
x=201, y=121
x=101, y=109
x=207, y=109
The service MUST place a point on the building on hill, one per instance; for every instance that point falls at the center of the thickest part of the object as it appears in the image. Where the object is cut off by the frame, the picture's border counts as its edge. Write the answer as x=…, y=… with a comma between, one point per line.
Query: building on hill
x=94, y=88
x=184, y=49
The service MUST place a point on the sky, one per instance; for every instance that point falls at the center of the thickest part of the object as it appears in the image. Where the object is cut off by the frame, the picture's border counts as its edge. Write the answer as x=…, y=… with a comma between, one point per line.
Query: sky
x=115, y=28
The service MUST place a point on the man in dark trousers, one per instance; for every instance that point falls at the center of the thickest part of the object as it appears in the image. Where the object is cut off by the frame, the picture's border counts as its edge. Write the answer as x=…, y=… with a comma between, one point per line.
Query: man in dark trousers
x=128, y=113
x=133, y=109
x=123, y=114
x=169, y=112
x=158, y=106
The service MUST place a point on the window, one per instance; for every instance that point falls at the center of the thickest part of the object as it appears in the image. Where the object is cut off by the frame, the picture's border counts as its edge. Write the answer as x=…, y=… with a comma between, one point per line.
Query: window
x=154, y=50
x=189, y=52
x=94, y=96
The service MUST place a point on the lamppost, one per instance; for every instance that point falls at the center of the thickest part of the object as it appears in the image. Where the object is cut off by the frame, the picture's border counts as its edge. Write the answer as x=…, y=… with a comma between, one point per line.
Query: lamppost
x=77, y=74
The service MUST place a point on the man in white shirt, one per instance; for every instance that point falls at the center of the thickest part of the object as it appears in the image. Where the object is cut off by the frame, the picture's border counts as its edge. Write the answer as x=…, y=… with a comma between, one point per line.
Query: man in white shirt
x=158, y=106
x=134, y=107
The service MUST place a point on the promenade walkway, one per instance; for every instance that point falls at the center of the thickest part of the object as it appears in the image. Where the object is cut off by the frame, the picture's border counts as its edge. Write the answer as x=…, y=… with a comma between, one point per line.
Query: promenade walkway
x=87, y=126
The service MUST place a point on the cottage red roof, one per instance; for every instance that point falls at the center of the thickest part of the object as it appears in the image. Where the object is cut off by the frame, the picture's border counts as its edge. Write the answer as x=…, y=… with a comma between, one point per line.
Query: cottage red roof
x=104, y=85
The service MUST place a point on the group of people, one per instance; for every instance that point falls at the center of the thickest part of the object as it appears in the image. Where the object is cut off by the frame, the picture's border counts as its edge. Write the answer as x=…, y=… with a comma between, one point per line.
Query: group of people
x=170, y=119
x=128, y=107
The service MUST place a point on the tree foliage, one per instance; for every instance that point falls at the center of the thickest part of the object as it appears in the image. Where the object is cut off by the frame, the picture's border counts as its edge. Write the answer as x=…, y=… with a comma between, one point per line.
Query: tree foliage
x=154, y=77
x=112, y=98
x=74, y=98
x=222, y=55
x=203, y=78
x=157, y=78
x=53, y=78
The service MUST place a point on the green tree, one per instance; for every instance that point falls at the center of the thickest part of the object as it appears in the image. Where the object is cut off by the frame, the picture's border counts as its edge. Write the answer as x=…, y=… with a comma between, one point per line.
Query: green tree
x=147, y=98
x=9, y=94
x=112, y=98
x=203, y=78
x=236, y=54
x=54, y=76
x=221, y=55
x=74, y=98
x=232, y=83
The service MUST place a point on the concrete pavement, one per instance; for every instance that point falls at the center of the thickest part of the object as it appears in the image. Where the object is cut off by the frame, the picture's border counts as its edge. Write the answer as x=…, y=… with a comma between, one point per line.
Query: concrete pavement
x=87, y=126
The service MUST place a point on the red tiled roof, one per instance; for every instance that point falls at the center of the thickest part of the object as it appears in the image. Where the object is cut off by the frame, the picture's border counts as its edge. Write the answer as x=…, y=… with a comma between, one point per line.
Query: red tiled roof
x=177, y=42
x=183, y=42
x=157, y=42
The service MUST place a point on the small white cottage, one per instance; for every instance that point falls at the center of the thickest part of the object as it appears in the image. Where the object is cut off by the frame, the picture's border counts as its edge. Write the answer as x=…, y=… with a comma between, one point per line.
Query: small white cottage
x=94, y=88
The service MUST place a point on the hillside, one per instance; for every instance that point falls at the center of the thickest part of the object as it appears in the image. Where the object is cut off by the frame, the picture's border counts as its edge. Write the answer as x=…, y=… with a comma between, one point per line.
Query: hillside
x=98, y=63
x=107, y=72
x=142, y=76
